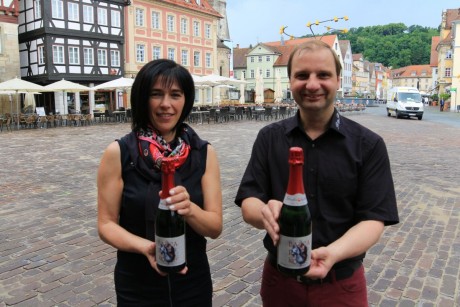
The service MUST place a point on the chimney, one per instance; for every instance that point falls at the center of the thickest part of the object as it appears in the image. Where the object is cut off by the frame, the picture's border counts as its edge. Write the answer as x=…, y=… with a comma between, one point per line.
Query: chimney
x=238, y=46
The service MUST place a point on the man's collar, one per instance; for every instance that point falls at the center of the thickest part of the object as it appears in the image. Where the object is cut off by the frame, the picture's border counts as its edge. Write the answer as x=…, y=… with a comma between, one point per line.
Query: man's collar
x=336, y=123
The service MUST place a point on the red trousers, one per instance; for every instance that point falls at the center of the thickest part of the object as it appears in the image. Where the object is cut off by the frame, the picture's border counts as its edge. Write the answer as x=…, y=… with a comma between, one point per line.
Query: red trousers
x=279, y=290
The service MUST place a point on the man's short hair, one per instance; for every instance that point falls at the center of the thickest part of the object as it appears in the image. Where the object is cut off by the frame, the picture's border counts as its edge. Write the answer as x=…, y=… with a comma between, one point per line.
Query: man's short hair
x=313, y=45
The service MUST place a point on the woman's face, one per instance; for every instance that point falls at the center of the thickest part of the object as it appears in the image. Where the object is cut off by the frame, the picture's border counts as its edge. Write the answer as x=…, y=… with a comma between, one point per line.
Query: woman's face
x=165, y=106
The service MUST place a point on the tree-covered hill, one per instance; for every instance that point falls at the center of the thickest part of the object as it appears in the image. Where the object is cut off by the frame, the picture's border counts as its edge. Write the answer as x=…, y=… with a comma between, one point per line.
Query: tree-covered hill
x=394, y=45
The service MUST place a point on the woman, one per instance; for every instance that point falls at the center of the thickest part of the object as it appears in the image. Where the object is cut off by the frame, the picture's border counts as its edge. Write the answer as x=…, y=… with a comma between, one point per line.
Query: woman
x=129, y=185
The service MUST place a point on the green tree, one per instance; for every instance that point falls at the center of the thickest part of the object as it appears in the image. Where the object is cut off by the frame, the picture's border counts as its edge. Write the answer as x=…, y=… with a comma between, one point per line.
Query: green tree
x=393, y=45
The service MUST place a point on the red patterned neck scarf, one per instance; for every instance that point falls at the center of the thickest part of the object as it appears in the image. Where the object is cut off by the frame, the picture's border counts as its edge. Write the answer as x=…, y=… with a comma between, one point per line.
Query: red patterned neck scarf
x=154, y=149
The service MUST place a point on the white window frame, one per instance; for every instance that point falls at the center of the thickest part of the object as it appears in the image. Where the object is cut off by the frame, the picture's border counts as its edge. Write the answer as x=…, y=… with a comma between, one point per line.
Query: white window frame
x=102, y=57
x=184, y=57
x=37, y=9
x=170, y=20
x=88, y=14
x=172, y=54
x=74, y=55
x=196, y=28
x=115, y=58
x=41, y=55
x=73, y=11
x=207, y=30
x=267, y=73
x=196, y=58
x=156, y=20
x=448, y=72
x=88, y=56
x=115, y=19
x=208, y=60
x=102, y=16
x=139, y=17
x=183, y=25
x=57, y=9
x=58, y=54
x=156, y=52
x=140, y=53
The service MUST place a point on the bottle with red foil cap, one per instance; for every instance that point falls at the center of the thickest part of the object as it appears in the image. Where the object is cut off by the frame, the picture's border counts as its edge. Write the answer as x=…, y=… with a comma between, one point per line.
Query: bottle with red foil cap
x=294, y=246
x=169, y=227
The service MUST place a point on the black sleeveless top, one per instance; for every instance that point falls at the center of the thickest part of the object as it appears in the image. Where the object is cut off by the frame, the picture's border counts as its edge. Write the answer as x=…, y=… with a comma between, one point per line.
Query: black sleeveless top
x=136, y=282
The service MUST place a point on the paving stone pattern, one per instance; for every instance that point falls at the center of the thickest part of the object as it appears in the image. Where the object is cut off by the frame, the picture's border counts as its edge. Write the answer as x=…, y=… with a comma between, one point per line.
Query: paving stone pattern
x=50, y=253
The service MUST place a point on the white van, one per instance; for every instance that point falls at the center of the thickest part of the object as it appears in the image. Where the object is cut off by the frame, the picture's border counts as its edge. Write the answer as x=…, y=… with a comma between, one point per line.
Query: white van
x=404, y=102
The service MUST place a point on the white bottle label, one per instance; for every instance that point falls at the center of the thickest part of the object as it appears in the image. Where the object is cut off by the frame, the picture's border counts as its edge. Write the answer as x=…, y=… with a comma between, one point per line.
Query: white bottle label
x=294, y=253
x=171, y=251
x=163, y=205
x=295, y=200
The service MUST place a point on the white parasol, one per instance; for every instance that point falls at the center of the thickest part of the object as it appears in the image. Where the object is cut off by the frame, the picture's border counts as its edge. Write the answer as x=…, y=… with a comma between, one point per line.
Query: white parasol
x=20, y=86
x=120, y=83
x=259, y=88
x=242, y=87
x=65, y=86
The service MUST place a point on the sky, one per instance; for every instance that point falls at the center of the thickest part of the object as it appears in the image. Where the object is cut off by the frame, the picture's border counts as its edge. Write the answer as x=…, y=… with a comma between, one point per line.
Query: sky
x=254, y=21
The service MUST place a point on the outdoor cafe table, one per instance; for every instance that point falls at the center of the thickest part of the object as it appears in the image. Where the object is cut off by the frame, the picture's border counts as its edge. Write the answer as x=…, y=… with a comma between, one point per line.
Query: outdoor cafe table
x=119, y=115
x=199, y=114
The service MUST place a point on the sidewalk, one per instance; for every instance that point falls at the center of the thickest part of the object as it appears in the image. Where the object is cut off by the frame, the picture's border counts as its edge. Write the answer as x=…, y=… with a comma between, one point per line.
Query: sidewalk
x=51, y=254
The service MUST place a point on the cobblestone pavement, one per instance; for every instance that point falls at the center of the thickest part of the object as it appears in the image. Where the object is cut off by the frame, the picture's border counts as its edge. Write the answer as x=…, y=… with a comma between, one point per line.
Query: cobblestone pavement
x=50, y=253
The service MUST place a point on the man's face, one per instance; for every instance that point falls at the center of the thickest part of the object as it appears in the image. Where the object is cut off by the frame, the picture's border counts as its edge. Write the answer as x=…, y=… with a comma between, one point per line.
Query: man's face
x=314, y=81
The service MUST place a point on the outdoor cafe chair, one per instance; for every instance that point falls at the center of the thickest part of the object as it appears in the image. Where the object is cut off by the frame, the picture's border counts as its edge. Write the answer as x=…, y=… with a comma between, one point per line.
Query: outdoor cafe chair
x=50, y=121
x=268, y=113
x=212, y=115
x=57, y=120
x=30, y=121
x=6, y=124
x=42, y=122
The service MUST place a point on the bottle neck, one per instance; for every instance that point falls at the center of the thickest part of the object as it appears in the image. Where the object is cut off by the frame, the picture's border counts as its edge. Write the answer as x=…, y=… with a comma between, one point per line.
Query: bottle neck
x=295, y=184
x=167, y=183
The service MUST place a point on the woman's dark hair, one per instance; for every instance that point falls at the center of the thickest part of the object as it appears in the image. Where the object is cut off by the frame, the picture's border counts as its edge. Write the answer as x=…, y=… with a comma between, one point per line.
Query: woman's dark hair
x=169, y=72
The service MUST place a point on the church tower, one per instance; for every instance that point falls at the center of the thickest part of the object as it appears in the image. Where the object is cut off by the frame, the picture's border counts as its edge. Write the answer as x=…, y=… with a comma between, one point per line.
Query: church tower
x=221, y=7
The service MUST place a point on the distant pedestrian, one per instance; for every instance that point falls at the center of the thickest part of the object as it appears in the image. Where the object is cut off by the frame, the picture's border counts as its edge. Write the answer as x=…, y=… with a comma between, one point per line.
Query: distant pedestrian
x=441, y=104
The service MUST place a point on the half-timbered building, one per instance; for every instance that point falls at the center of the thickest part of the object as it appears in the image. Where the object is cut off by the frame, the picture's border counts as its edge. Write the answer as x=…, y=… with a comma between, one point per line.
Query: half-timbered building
x=80, y=41
x=9, y=55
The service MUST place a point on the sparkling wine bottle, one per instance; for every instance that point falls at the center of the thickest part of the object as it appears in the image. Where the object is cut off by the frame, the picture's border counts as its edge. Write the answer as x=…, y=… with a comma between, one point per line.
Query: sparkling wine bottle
x=169, y=227
x=294, y=246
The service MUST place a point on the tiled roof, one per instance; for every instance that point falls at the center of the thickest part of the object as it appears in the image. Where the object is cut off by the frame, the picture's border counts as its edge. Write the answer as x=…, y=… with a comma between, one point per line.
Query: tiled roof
x=239, y=57
x=407, y=71
x=452, y=14
x=287, y=47
x=344, y=47
x=284, y=49
x=434, y=51
x=357, y=56
x=204, y=7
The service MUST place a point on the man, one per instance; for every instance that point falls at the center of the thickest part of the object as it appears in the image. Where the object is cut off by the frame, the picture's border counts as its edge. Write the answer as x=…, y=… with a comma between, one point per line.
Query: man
x=348, y=182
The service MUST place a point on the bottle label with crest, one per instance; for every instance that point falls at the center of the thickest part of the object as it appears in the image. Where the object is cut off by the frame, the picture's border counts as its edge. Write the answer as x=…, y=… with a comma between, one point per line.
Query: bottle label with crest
x=295, y=200
x=294, y=252
x=171, y=251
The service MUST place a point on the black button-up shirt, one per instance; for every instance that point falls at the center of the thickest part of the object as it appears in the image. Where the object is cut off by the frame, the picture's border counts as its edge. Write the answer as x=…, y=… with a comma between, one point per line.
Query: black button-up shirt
x=347, y=175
